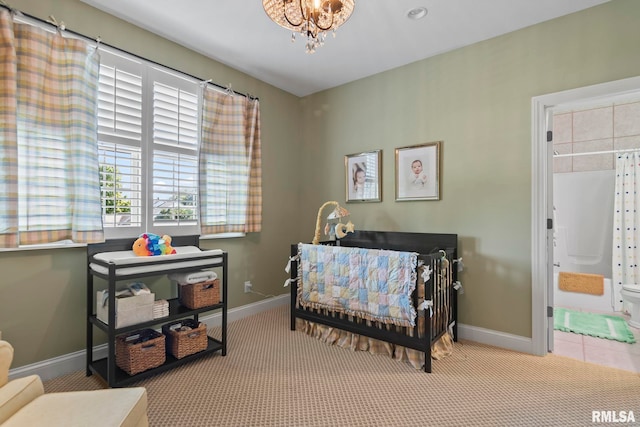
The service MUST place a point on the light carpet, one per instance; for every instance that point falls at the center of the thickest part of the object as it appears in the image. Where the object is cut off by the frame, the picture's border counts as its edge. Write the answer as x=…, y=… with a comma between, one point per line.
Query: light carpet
x=592, y=324
x=272, y=376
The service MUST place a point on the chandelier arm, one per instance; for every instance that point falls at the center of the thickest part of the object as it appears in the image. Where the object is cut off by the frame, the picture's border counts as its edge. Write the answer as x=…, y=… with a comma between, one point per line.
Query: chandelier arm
x=330, y=24
x=327, y=28
x=284, y=13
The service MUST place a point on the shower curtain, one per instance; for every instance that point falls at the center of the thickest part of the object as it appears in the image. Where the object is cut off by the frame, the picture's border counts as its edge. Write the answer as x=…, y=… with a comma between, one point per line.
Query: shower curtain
x=626, y=219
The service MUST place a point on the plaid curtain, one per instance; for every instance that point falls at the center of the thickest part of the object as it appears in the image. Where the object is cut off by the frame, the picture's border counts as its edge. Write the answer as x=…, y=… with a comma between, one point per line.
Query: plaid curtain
x=230, y=164
x=49, y=178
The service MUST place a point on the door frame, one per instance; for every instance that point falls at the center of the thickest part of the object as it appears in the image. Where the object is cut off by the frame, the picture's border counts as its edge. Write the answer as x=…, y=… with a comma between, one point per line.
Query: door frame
x=542, y=197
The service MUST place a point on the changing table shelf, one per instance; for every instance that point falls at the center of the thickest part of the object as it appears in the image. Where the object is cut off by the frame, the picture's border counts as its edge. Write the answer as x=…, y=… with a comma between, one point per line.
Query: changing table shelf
x=176, y=311
x=113, y=272
x=101, y=366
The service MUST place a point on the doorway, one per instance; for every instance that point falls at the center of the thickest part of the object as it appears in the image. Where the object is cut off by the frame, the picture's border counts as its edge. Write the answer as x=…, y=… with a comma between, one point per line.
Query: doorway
x=542, y=196
x=587, y=140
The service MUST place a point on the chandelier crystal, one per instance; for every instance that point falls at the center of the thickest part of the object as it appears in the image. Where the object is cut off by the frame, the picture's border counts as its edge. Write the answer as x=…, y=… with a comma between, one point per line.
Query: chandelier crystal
x=311, y=18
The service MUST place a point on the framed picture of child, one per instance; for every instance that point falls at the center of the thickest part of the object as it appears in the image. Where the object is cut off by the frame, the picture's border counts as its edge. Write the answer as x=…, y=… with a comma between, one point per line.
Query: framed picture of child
x=363, y=176
x=418, y=172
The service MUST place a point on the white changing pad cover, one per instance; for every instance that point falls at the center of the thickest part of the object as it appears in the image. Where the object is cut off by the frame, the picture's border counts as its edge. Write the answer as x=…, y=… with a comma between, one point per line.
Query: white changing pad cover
x=196, y=257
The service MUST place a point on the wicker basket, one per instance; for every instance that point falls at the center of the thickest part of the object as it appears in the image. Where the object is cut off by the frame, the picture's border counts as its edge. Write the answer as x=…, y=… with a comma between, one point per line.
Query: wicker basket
x=200, y=295
x=185, y=337
x=140, y=350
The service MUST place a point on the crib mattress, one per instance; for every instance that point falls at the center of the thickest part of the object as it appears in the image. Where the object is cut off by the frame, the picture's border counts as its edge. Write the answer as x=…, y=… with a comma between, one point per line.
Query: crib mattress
x=128, y=263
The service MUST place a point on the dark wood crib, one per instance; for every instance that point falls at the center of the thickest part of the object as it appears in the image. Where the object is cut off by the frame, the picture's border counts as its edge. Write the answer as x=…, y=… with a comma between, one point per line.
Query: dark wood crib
x=439, y=288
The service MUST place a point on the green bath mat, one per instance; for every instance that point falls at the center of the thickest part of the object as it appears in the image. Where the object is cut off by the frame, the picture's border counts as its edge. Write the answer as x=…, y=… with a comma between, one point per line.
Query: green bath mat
x=595, y=325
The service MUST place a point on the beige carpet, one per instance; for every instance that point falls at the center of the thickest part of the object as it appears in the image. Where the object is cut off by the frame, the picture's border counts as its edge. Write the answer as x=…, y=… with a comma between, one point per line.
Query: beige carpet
x=272, y=376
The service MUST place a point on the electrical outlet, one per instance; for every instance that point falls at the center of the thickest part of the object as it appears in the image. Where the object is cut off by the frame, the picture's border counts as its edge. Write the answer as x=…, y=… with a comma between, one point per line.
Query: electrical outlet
x=247, y=287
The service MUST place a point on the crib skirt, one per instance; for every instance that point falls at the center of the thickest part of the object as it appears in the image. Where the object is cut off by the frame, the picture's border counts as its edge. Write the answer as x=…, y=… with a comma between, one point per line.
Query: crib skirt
x=442, y=348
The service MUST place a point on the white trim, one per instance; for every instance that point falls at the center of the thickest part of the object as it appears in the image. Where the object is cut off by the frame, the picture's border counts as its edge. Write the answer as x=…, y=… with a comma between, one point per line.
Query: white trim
x=494, y=338
x=540, y=191
x=72, y=362
x=538, y=225
x=57, y=366
x=243, y=311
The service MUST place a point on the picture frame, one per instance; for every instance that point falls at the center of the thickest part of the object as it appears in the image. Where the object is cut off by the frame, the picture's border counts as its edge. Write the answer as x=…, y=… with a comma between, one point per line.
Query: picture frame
x=418, y=172
x=363, y=176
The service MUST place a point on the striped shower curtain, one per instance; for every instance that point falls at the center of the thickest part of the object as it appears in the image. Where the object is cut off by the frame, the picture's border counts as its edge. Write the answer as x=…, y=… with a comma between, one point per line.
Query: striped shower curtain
x=626, y=219
x=49, y=183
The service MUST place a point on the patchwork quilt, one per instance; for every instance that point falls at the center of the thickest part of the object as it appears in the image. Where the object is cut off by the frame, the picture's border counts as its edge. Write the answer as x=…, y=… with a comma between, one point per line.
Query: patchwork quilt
x=373, y=284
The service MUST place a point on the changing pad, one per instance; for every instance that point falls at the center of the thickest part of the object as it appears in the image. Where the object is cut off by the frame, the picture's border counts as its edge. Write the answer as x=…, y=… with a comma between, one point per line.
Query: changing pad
x=185, y=257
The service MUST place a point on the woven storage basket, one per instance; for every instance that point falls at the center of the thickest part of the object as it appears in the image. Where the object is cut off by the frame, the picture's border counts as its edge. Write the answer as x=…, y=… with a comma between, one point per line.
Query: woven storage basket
x=185, y=337
x=201, y=294
x=140, y=350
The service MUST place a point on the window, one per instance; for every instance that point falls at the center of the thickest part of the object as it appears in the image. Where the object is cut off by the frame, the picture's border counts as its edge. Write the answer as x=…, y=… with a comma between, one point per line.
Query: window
x=151, y=172
x=148, y=148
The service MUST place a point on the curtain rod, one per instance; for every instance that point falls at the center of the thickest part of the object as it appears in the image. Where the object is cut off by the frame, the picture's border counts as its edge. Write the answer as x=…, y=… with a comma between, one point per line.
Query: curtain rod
x=590, y=153
x=99, y=41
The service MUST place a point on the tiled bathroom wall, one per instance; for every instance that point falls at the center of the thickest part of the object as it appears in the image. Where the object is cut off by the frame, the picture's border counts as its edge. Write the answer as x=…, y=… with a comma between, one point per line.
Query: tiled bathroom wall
x=594, y=129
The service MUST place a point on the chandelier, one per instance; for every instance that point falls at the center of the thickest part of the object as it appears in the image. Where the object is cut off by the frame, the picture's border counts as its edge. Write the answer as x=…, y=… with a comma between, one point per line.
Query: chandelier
x=311, y=18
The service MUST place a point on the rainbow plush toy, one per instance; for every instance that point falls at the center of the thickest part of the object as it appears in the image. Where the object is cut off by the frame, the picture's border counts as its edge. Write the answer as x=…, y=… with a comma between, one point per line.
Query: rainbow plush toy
x=149, y=244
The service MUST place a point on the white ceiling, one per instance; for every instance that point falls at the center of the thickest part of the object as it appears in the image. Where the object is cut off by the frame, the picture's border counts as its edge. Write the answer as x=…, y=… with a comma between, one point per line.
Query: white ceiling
x=377, y=37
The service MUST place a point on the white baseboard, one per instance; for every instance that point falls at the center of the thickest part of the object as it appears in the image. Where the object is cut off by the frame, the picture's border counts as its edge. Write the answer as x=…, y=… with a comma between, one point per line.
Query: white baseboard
x=495, y=338
x=72, y=362
x=247, y=310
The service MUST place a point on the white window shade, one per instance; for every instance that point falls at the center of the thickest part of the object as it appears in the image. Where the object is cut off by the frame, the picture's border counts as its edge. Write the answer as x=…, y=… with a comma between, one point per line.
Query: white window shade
x=175, y=116
x=120, y=136
x=173, y=203
x=148, y=132
x=120, y=98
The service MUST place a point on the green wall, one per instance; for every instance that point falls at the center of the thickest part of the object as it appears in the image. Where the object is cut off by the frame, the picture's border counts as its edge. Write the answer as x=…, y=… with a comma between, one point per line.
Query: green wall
x=477, y=100
x=43, y=292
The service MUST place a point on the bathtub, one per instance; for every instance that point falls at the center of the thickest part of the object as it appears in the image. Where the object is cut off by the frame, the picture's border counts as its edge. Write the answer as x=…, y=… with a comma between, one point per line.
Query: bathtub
x=611, y=301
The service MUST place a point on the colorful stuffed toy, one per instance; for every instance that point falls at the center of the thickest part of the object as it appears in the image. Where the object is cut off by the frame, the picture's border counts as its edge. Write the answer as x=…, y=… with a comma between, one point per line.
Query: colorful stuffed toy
x=167, y=249
x=149, y=244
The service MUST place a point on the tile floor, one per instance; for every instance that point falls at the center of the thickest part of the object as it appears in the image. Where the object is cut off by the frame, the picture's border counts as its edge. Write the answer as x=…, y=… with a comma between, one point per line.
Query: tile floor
x=599, y=351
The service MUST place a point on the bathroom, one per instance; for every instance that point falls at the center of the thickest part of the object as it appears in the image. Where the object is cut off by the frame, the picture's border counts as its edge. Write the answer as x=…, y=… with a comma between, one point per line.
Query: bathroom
x=586, y=141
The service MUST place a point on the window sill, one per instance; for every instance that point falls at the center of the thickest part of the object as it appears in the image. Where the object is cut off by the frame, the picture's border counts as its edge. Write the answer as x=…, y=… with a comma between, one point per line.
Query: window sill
x=222, y=236
x=45, y=246
x=69, y=244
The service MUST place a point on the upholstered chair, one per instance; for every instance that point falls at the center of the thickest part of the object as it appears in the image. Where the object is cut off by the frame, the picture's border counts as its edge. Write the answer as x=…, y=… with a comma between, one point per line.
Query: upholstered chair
x=24, y=403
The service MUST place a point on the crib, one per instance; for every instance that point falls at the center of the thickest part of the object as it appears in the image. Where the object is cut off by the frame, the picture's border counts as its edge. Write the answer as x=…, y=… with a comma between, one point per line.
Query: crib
x=434, y=296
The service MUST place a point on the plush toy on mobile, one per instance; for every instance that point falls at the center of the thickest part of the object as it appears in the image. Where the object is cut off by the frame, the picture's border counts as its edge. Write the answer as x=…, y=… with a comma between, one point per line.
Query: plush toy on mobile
x=149, y=244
